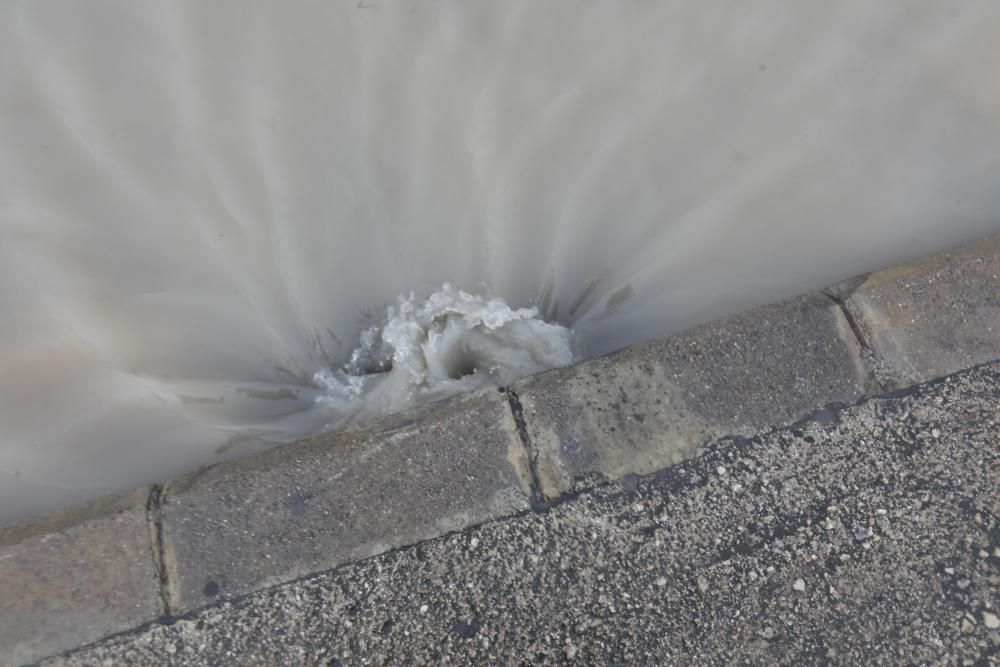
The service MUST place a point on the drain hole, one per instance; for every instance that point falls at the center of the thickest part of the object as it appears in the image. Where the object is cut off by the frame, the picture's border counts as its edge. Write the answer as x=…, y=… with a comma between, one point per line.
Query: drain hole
x=462, y=364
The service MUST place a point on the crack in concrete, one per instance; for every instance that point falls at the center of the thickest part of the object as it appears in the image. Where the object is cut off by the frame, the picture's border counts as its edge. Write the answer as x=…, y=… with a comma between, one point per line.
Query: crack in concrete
x=537, y=500
x=852, y=321
x=876, y=369
x=162, y=559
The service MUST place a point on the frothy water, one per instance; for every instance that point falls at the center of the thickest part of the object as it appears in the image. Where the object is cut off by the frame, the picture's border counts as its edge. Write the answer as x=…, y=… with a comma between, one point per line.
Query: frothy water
x=207, y=209
x=422, y=350
x=453, y=342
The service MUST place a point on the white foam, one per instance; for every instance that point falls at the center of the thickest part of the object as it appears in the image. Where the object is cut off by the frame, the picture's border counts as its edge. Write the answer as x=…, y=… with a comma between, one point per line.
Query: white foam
x=449, y=343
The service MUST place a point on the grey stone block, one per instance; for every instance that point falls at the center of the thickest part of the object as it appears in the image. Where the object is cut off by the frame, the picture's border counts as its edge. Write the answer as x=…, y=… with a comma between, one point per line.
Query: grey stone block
x=933, y=316
x=333, y=498
x=71, y=578
x=654, y=405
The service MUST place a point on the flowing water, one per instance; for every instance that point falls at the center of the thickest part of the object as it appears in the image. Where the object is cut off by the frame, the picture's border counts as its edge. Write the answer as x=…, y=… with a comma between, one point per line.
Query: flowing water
x=207, y=208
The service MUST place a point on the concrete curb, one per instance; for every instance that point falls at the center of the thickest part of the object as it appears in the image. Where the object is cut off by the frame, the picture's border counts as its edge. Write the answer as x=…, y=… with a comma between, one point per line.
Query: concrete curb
x=69, y=578
x=655, y=404
x=239, y=527
x=338, y=497
x=868, y=536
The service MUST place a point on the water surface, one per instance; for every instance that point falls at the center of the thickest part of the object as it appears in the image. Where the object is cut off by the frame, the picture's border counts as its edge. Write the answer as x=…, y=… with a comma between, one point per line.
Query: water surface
x=203, y=205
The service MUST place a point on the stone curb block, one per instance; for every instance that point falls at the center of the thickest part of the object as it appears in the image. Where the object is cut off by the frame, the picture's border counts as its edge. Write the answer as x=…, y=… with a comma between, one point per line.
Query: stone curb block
x=653, y=405
x=930, y=317
x=70, y=578
x=338, y=497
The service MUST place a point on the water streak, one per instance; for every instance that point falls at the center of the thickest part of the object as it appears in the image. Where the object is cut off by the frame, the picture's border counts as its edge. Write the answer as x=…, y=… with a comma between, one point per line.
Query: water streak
x=205, y=204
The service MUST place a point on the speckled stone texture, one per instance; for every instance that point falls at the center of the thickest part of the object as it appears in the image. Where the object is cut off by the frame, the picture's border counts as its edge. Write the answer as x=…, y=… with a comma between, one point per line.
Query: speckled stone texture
x=870, y=535
x=930, y=317
x=70, y=578
x=654, y=405
x=333, y=498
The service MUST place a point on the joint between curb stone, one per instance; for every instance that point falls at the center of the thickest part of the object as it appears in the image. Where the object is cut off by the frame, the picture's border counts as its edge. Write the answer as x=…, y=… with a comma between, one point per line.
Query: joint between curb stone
x=856, y=328
x=162, y=562
x=537, y=499
x=870, y=359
